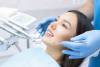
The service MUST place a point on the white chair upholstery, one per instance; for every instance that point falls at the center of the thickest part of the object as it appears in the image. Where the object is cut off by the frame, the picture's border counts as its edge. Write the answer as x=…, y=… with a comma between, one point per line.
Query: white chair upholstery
x=35, y=57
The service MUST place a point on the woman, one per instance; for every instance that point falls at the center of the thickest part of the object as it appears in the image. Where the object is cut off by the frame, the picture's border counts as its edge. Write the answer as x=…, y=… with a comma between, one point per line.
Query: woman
x=68, y=25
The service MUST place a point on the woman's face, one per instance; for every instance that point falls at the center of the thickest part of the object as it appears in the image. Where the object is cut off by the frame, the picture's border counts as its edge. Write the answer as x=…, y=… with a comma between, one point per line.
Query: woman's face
x=62, y=29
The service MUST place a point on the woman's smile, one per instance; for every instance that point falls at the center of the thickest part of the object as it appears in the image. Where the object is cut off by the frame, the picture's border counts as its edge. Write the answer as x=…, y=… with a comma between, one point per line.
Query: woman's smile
x=49, y=34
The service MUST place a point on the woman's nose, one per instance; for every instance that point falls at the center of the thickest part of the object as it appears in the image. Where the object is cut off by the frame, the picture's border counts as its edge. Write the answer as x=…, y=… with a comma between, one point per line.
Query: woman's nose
x=53, y=26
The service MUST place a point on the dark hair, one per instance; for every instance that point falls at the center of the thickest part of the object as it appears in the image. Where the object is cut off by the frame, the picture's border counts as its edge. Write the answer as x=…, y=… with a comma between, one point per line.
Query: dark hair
x=83, y=25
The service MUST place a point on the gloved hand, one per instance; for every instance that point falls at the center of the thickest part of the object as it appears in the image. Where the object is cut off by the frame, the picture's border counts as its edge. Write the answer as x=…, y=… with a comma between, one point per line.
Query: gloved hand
x=83, y=45
x=42, y=26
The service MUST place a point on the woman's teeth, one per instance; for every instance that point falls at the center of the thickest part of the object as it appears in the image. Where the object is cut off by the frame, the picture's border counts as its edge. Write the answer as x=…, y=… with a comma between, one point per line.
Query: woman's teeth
x=49, y=34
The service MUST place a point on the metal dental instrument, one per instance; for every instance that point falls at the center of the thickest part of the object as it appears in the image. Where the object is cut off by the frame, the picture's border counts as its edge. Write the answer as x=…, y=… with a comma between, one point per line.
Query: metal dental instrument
x=15, y=28
x=19, y=30
x=9, y=31
x=19, y=25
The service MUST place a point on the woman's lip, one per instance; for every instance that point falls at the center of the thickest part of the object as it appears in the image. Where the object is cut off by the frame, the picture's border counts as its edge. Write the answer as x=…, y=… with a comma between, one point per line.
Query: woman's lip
x=49, y=34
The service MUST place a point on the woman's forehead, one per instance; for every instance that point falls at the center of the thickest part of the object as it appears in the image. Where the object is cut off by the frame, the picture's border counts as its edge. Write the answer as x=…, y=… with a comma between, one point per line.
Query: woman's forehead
x=68, y=15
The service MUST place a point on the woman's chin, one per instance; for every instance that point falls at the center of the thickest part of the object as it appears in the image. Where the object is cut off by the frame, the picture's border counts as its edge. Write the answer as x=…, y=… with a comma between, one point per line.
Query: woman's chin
x=53, y=49
x=48, y=41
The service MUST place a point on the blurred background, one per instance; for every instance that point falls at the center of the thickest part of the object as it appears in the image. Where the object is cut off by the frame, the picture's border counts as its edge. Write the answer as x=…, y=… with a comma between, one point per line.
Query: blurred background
x=42, y=8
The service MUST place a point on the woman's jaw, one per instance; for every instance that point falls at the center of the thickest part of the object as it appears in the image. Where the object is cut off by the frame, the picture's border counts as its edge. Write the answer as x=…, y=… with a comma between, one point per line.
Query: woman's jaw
x=54, y=50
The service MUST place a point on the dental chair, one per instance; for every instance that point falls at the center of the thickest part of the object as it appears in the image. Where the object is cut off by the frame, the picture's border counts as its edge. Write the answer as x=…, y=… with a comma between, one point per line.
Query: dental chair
x=36, y=57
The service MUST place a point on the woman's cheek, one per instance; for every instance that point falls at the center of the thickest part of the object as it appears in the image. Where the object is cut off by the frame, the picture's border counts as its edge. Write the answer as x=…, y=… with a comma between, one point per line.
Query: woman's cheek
x=62, y=35
x=61, y=31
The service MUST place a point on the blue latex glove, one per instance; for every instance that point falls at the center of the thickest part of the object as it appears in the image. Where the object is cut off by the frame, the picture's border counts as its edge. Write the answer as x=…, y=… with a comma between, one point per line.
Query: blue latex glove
x=42, y=26
x=83, y=45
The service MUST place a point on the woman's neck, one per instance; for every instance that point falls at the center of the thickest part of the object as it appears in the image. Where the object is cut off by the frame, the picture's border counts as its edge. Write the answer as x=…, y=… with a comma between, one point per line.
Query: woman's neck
x=55, y=51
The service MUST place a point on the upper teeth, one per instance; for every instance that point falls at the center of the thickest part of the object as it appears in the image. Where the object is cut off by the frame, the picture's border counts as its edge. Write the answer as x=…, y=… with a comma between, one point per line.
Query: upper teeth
x=50, y=34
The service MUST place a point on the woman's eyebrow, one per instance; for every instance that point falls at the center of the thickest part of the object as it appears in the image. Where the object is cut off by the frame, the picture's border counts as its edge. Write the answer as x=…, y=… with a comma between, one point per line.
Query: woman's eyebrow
x=67, y=22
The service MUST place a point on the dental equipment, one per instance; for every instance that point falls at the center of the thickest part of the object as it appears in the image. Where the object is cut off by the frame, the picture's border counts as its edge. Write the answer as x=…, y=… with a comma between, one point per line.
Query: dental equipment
x=9, y=31
x=19, y=31
x=19, y=18
x=6, y=43
x=14, y=27
x=18, y=26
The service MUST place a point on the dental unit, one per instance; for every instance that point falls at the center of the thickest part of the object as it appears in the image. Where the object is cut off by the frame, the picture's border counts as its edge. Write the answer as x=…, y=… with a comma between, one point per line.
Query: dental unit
x=17, y=25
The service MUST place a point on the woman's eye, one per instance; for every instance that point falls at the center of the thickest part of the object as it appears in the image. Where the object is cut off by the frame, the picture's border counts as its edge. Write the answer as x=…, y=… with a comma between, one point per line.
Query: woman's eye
x=64, y=26
x=56, y=19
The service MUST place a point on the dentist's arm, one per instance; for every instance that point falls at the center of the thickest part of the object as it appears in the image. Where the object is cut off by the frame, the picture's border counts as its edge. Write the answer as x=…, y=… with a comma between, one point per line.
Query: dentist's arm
x=87, y=9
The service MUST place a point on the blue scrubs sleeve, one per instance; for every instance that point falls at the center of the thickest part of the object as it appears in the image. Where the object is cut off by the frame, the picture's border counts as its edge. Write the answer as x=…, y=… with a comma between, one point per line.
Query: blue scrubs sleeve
x=95, y=61
x=97, y=14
